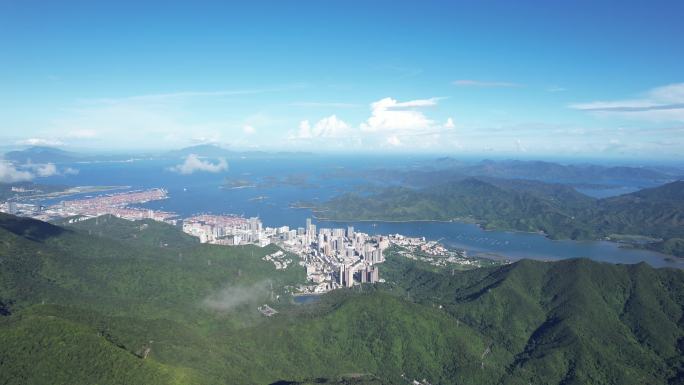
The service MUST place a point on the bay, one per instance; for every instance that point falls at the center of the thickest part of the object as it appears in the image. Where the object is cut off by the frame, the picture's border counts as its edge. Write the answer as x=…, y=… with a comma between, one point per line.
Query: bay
x=278, y=182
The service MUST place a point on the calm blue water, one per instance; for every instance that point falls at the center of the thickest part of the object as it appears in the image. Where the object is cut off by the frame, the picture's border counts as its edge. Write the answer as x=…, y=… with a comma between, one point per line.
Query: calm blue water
x=326, y=177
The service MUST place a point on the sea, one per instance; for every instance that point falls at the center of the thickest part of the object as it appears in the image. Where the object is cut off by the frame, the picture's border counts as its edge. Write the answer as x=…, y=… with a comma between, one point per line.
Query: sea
x=269, y=186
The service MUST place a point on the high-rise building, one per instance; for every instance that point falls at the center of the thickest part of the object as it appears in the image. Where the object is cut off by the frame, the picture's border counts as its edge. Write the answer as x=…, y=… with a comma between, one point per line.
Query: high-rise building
x=254, y=224
x=350, y=232
x=349, y=252
x=373, y=274
x=349, y=277
x=12, y=207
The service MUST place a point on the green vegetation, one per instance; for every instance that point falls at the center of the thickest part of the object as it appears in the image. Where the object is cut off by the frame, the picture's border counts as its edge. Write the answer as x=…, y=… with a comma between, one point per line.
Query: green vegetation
x=111, y=301
x=555, y=210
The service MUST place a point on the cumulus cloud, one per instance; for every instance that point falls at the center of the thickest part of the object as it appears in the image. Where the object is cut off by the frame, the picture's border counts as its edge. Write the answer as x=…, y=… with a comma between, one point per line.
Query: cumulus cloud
x=488, y=84
x=391, y=115
x=304, y=131
x=9, y=173
x=249, y=130
x=193, y=163
x=394, y=141
x=391, y=123
x=664, y=103
x=232, y=297
x=45, y=170
x=328, y=127
x=70, y=171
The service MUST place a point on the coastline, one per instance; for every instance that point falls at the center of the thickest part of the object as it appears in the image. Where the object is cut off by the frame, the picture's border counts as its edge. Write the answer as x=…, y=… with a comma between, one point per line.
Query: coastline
x=481, y=226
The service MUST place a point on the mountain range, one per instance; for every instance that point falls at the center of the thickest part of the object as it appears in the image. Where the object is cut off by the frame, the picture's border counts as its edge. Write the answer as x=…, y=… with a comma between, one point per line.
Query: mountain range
x=557, y=172
x=556, y=210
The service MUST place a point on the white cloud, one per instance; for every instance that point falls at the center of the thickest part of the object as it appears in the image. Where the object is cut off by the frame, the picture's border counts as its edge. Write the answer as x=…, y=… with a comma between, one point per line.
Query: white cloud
x=194, y=163
x=488, y=84
x=232, y=297
x=392, y=123
x=328, y=127
x=9, y=173
x=304, y=130
x=394, y=141
x=556, y=89
x=390, y=115
x=324, y=104
x=70, y=171
x=664, y=103
x=249, y=130
x=40, y=142
x=45, y=170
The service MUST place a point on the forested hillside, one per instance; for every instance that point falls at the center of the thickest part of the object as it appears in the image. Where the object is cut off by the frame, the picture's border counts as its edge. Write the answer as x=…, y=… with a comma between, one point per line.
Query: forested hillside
x=111, y=301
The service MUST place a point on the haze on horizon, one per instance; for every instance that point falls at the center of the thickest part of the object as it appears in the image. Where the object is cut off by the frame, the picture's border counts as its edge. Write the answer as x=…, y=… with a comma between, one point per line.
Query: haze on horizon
x=587, y=79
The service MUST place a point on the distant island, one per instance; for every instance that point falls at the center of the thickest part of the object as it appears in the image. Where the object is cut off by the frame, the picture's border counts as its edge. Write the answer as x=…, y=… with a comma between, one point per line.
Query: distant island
x=230, y=184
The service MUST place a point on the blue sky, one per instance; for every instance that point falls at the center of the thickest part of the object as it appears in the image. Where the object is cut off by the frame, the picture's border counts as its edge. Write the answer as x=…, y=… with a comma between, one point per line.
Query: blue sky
x=533, y=78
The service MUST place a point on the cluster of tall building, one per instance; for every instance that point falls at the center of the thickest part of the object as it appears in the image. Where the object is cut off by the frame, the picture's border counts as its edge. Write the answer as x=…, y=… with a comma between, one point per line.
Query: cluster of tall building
x=337, y=257
x=347, y=275
x=333, y=257
x=228, y=230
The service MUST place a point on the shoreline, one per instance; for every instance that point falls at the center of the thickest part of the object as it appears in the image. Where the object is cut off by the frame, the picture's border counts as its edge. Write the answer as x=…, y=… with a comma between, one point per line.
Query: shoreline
x=479, y=225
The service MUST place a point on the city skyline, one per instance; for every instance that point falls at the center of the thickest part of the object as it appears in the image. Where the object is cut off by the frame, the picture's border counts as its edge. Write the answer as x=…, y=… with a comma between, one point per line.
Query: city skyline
x=522, y=79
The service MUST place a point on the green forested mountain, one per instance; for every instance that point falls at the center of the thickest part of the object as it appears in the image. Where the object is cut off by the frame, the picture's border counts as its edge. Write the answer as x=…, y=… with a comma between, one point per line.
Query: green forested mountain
x=111, y=301
x=556, y=210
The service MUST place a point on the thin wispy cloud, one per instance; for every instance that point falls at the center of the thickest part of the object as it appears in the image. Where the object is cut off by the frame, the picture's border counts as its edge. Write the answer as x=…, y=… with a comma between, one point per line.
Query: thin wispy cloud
x=625, y=108
x=664, y=103
x=165, y=119
x=197, y=94
x=48, y=142
x=485, y=84
x=325, y=104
